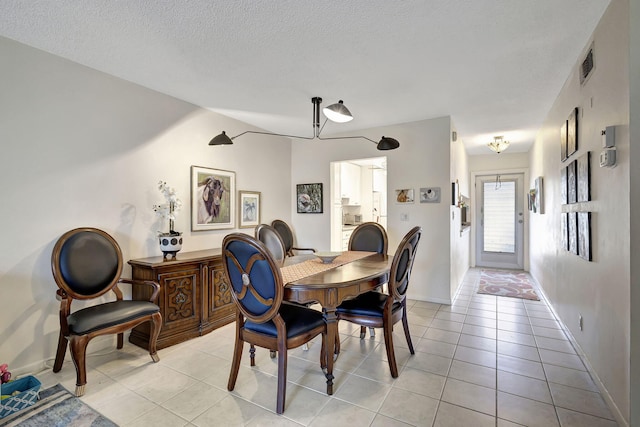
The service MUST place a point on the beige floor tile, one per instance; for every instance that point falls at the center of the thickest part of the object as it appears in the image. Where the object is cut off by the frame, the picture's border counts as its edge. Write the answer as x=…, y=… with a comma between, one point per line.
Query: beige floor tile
x=505, y=423
x=579, y=400
x=526, y=411
x=566, y=360
x=480, y=321
x=421, y=382
x=159, y=417
x=518, y=350
x=516, y=337
x=545, y=323
x=195, y=400
x=507, y=317
x=230, y=411
x=528, y=387
x=337, y=413
x=383, y=421
x=125, y=407
x=449, y=415
x=489, y=314
x=411, y=408
x=476, y=356
x=541, y=331
x=570, y=377
x=475, y=374
x=363, y=392
x=522, y=328
x=450, y=316
x=440, y=348
x=555, y=344
x=446, y=325
x=576, y=419
x=521, y=366
x=470, y=396
x=480, y=331
x=430, y=362
x=441, y=335
x=474, y=341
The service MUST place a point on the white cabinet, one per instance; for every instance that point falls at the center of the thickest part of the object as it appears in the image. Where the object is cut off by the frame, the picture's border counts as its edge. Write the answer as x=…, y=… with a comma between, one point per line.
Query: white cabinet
x=350, y=182
x=346, y=235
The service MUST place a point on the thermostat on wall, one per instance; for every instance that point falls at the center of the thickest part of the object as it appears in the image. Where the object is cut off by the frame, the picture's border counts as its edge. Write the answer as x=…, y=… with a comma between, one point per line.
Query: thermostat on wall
x=608, y=157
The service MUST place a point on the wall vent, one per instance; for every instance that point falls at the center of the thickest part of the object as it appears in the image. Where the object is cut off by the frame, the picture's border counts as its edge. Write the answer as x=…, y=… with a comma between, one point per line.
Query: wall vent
x=587, y=66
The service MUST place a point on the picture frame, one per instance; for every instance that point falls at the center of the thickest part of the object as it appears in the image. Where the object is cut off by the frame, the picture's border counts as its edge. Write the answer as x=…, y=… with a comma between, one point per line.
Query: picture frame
x=573, y=232
x=430, y=195
x=405, y=196
x=584, y=235
x=572, y=132
x=564, y=230
x=583, y=177
x=249, y=208
x=563, y=185
x=213, y=199
x=539, y=185
x=563, y=141
x=309, y=198
x=572, y=190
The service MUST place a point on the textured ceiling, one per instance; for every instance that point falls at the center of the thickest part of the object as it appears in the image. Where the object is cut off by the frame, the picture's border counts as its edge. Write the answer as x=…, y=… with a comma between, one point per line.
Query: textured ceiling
x=494, y=66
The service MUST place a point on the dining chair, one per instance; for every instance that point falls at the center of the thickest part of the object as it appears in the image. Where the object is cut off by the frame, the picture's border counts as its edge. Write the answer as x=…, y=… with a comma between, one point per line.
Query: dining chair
x=272, y=240
x=86, y=264
x=263, y=319
x=370, y=237
x=287, y=237
x=383, y=310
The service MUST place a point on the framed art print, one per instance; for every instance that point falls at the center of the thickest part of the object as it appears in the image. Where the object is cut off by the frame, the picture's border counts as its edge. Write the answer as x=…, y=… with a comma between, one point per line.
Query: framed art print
x=309, y=198
x=572, y=189
x=584, y=235
x=213, y=199
x=572, y=132
x=563, y=141
x=404, y=196
x=249, y=208
x=430, y=195
x=583, y=178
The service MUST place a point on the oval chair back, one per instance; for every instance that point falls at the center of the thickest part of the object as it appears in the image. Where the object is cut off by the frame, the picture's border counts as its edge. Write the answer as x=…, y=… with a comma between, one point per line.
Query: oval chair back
x=86, y=263
x=402, y=264
x=369, y=236
x=255, y=277
x=272, y=240
x=285, y=233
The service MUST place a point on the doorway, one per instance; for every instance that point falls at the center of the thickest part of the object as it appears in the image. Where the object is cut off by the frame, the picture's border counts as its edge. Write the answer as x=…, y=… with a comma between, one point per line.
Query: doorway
x=500, y=218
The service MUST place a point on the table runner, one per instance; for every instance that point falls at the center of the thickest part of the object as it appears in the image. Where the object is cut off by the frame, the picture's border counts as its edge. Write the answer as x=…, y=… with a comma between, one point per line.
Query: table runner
x=310, y=267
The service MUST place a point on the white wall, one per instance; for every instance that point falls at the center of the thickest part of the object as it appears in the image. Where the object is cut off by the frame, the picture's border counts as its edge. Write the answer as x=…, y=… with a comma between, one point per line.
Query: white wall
x=460, y=239
x=421, y=161
x=598, y=290
x=81, y=148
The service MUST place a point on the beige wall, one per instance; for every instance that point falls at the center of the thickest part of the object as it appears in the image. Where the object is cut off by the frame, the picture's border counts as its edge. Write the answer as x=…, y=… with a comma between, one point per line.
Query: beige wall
x=81, y=148
x=598, y=290
x=423, y=160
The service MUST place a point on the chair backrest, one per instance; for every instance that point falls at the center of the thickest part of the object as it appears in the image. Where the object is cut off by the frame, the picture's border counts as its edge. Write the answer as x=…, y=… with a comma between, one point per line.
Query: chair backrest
x=272, y=240
x=369, y=236
x=86, y=263
x=255, y=277
x=403, y=263
x=285, y=233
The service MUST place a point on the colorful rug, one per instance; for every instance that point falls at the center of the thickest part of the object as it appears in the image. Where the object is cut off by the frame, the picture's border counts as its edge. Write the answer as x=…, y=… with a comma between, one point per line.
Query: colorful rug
x=506, y=283
x=57, y=407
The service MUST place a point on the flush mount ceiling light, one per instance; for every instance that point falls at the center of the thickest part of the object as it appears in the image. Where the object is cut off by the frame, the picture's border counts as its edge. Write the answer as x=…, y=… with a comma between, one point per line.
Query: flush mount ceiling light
x=499, y=144
x=336, y=113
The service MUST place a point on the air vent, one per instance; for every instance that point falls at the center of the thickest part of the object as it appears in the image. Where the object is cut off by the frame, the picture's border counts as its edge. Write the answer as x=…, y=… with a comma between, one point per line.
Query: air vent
x=586, y=68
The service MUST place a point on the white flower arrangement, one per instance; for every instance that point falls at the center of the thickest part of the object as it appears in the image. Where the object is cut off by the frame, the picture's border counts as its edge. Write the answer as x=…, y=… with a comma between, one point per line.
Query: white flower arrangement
x=168, y=210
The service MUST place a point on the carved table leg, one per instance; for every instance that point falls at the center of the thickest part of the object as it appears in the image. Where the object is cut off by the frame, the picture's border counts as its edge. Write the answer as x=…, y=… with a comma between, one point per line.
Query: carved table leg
x=332, y=332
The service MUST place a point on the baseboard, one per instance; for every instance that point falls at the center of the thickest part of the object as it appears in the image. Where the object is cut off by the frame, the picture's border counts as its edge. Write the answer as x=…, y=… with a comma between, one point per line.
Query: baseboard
x=615, y=411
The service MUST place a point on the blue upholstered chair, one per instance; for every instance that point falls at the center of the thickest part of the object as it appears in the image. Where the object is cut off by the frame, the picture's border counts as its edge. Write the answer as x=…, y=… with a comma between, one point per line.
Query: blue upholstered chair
x=383, y=310
x=86, y=264
x=262, y=318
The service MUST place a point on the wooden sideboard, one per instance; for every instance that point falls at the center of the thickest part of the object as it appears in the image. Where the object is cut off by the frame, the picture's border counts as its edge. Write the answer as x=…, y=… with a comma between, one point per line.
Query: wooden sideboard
x=194, y=297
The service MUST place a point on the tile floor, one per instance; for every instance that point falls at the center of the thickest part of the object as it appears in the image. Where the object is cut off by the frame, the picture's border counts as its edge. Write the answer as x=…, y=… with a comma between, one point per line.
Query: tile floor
x=483, y=361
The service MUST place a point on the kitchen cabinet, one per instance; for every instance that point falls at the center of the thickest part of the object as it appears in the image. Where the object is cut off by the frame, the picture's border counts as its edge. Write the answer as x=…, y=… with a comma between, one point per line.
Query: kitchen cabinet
x=350, y=182
x=346, y=235
x=195, y=297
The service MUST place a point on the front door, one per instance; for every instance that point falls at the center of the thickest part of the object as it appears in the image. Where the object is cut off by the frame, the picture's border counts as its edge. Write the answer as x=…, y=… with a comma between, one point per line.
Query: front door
x=500, y=213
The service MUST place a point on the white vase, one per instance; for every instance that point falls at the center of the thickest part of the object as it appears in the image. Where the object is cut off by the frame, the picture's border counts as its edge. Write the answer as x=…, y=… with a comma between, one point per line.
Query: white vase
x=170, y=244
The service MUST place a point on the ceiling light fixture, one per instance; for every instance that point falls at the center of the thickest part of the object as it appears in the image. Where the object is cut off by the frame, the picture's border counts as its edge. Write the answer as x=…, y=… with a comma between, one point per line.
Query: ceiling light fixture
x=335, y=112
x=499, y=144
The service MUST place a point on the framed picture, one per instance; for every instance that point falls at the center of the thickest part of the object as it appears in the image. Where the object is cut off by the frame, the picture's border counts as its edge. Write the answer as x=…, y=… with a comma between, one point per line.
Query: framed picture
x=573, y=232
x=532, y=200
x=430, y=195
x=249, y=208
x=309, y=198
x=584, y=235
x=539, y=195
x=213, y=199
x=583, y=172
x=404, y=195
x=563, y=141
x=572, y=132
x=564, y=231
x=572, y=190
x=563, y=186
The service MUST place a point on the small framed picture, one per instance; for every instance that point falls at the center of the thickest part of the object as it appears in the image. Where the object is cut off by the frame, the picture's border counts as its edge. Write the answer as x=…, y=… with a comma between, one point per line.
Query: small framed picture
x=309, y=198
x=404, y=195
x=430, y=195
x=249, y=208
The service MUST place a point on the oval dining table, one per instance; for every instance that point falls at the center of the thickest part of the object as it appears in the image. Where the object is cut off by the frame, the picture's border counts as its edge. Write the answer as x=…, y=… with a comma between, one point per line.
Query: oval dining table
x=332, y=286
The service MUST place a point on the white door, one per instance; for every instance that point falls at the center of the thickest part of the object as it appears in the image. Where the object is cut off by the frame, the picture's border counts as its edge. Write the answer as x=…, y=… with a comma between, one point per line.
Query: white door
x=500, y=217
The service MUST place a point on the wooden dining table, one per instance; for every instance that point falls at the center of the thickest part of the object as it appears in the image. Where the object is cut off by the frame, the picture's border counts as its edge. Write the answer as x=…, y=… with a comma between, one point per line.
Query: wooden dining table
x=350, y=275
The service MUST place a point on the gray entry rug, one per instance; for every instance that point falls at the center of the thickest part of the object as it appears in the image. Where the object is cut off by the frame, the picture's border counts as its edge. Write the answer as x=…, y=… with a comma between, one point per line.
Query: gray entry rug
x=57, y=407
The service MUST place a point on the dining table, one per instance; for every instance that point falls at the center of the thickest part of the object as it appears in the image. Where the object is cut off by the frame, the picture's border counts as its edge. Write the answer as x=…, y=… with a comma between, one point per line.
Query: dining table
x=310, y=280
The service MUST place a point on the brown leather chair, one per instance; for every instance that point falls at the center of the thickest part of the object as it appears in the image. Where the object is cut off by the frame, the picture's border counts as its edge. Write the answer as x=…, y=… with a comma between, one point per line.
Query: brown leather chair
x=86, y=264
x=262, y=318
x=370, y=237
x=383, y=310
x=287, y=237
